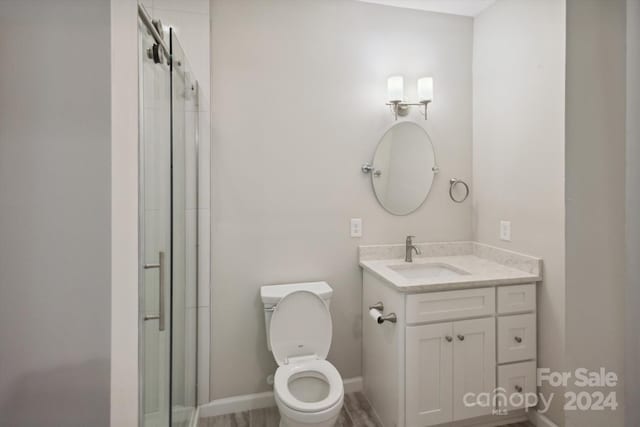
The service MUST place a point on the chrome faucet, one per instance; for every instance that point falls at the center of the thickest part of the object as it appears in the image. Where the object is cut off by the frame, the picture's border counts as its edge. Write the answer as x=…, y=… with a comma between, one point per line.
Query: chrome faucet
x=409, y=248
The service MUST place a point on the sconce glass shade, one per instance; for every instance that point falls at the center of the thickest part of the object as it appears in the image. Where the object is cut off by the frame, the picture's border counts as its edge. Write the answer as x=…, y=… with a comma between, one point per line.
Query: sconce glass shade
x=425, y=89
x=395, y=88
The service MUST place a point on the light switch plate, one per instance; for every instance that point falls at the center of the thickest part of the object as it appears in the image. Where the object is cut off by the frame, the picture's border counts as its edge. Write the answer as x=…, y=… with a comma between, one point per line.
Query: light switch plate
x=356, y=227
x=505, y=230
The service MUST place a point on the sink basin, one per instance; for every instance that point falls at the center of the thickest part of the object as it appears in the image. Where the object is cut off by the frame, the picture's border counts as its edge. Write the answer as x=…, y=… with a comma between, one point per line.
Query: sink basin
x=427, y=271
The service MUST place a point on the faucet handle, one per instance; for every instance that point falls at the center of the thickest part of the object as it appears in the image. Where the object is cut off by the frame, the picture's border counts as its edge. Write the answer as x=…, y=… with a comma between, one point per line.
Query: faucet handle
x=409, y=238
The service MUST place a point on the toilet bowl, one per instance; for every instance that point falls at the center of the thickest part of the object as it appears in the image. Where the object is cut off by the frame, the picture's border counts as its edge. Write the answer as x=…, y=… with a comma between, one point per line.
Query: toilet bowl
x=308, y=393
x=308, y=389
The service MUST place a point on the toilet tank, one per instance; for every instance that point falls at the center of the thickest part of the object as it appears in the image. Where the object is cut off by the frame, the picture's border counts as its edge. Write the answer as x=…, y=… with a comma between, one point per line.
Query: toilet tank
x=272, y=294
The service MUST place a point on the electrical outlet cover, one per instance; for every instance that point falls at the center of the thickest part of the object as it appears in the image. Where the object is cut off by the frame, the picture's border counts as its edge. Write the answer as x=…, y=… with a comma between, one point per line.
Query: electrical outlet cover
x=505, y=230
x=356, y=227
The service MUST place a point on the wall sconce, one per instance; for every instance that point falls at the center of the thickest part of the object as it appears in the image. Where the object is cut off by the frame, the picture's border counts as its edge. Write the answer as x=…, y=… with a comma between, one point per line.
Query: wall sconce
x=395, y=95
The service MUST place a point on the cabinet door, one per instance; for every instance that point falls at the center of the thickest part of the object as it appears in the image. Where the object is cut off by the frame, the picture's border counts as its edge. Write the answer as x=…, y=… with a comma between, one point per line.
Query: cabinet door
x=474, y=366
x=429, y=370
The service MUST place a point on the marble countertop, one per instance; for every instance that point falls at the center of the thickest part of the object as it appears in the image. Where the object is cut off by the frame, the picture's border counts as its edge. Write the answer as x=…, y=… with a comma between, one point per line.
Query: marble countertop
x=482, y=266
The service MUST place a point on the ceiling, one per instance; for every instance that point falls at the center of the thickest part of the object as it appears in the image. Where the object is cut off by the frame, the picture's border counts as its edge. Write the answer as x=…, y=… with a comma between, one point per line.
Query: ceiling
x=454, y=7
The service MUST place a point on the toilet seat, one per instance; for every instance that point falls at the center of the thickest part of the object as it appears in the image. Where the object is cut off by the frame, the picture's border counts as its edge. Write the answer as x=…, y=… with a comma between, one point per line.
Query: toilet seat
x=317, y=367
x=300, y=326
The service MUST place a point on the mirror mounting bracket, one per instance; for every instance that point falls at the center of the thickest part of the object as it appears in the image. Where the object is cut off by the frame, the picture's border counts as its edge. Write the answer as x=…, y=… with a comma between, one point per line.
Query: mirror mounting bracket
x=368, y=168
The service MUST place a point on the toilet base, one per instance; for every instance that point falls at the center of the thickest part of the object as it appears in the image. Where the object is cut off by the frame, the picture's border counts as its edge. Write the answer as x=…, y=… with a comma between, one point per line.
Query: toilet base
x=291, y=418
x=295, y=423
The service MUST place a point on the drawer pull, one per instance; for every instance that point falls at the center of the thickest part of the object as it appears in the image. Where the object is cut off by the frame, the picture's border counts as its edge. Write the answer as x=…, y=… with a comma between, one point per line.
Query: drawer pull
x=448, y=338
x=518, y=339
x=519, y=389
x=461, y=337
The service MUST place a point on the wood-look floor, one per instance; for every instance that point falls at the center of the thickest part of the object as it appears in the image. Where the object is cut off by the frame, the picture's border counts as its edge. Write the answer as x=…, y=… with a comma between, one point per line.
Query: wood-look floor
x=356, y=412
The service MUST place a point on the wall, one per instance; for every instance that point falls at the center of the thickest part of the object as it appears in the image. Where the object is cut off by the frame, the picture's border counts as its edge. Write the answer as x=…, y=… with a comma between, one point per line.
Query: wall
x=518, y=150
x=595, y=193
x=191, y=21
x=298, y=91
x=55, y=223
x=632, y=295
x=124, y=213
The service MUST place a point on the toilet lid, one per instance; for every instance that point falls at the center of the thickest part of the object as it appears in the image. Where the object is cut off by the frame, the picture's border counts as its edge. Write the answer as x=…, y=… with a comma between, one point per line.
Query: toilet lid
x=300, y=326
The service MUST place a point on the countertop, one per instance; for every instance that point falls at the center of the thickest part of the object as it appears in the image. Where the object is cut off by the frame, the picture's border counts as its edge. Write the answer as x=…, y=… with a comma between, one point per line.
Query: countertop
x=482, y=265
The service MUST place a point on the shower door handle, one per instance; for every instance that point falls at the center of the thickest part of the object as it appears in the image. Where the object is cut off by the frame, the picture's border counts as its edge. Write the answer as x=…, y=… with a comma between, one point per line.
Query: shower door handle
x=160, y=316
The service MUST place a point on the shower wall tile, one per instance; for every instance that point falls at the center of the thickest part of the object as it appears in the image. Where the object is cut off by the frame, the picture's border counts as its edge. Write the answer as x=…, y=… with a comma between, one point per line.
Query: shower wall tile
x=203, y=355
x=204, y=161
x=204, y=257
x=190, y=160
x=191, y=267
x=190, y=349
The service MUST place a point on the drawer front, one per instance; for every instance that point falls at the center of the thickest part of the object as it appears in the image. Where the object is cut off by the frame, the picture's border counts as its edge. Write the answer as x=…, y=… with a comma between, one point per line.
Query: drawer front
x=516, y=338
x=517, y=380
x=514, y=299
x=436, y=306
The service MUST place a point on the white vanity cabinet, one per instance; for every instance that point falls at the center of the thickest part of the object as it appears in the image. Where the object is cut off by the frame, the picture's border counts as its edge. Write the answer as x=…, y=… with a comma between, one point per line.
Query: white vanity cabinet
x=446, y=344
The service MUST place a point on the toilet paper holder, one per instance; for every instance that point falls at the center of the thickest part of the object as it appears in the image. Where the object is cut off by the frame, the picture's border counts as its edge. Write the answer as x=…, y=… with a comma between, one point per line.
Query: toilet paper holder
x=379, y=306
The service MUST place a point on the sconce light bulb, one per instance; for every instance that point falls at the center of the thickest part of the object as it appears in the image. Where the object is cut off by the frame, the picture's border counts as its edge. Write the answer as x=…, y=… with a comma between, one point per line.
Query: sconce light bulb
x=425, y=89
x=395, y=88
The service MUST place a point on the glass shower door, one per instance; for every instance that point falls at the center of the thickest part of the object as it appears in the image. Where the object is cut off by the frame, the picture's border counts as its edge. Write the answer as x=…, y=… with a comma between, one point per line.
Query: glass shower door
x=168, y=223
x=156, y=226
x=184, y=105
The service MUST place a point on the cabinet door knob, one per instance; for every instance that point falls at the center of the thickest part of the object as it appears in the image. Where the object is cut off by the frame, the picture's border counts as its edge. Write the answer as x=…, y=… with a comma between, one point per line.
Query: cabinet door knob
x=448, y=338
x=518, y=389
x=518, y=339
x=461, y=337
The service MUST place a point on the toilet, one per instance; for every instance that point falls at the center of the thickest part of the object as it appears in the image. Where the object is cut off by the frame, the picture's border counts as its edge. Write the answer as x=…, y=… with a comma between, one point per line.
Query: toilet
x=308, y=389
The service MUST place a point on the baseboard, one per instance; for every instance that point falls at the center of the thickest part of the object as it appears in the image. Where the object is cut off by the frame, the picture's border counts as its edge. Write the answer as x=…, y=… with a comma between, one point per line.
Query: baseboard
x=351, y=385
x=247, y=402
x=540, y=420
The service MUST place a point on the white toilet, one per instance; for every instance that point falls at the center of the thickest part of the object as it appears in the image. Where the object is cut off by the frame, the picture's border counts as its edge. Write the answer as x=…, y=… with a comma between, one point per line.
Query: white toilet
x=308, y=390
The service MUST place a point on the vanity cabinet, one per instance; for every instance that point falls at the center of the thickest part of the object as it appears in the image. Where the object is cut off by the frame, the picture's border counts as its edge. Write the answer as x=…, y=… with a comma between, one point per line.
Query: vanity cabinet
x=445, y=344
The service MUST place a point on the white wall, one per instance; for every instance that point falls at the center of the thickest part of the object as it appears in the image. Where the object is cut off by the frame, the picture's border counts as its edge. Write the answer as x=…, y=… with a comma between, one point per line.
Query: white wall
x=298, y=90
x=55, y=204
x=595, y=193
x=632, y=296
x=124, y=213
x=518, y=149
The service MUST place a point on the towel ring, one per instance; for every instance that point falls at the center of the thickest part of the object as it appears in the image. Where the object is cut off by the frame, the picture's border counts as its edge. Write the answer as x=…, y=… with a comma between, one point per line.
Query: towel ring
x=452, y=183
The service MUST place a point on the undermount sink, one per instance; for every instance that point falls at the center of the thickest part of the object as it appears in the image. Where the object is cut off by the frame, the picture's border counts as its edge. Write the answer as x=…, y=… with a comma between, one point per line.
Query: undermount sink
x=427, y=271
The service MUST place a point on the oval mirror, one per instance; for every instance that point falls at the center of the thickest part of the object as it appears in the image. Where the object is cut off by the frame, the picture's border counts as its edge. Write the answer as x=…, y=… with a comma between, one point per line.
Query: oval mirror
x=403, y=168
